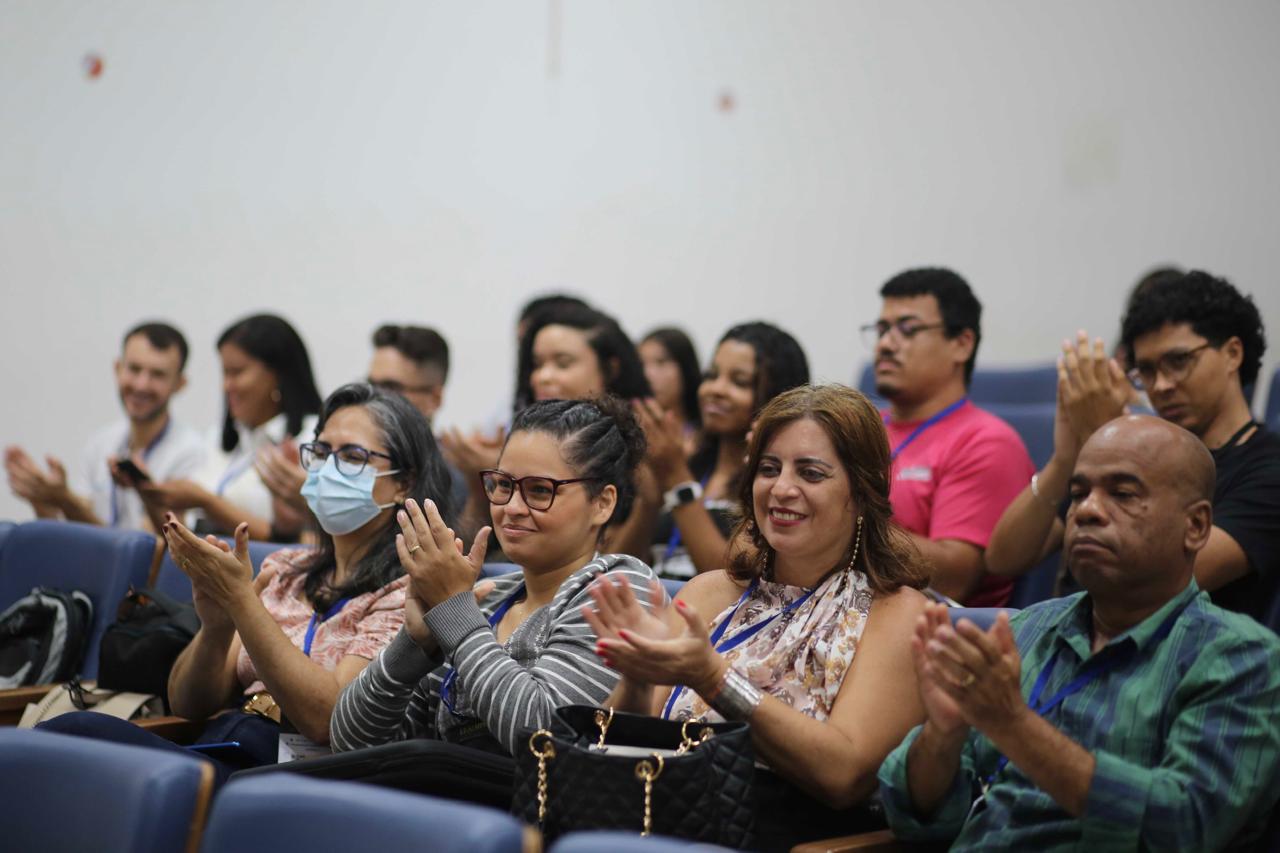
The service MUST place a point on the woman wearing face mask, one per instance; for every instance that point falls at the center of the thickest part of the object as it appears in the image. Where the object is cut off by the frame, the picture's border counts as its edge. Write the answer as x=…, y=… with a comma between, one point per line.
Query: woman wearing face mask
x=271, y=397
x=812, y=622
x=476, y=665
x=287, y=643
x=753, y=363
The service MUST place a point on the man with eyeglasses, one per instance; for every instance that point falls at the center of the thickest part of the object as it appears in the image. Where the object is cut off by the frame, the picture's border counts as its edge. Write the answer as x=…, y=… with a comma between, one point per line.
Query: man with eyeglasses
x=1195, y=342
x=955, y=466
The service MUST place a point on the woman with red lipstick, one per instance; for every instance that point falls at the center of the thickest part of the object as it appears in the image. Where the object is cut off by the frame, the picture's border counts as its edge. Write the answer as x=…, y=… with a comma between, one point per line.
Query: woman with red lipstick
x=476, y=664
x=753, y=363
x=811, y=637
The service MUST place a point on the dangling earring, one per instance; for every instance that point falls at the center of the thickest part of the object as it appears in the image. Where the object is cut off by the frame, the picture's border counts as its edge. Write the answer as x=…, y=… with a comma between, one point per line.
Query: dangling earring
x=857, y=543
x=276, y=396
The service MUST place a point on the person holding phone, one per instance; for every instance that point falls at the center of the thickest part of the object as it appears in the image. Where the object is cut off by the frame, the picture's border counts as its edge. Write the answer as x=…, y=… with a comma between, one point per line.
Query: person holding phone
x=118, y=457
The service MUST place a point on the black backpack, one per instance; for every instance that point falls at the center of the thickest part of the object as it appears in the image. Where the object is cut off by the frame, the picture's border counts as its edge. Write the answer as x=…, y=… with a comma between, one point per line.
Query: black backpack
x=139, y=648
x=43, y=637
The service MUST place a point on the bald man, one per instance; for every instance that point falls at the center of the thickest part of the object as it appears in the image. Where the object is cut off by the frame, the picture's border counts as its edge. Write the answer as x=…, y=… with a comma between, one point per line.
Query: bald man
x=1136, y=714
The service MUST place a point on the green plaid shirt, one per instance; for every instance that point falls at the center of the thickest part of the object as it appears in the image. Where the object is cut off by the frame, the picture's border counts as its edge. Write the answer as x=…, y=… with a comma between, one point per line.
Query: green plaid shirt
x=1185, y=732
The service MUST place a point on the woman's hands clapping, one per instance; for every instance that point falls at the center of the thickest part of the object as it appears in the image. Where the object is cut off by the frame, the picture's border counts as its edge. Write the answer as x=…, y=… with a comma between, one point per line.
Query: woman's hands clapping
x=647, y=648
x=220, y=576
x=432, y=555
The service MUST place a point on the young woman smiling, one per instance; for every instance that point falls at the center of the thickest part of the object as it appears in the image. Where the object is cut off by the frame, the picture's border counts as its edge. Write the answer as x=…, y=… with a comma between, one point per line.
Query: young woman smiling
x=476, y=664
x=753, y=363
x=811, y=641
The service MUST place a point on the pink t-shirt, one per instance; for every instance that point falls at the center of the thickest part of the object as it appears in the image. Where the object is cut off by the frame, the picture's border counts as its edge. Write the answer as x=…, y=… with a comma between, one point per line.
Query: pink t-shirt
x=366, y=624
x=955, y=480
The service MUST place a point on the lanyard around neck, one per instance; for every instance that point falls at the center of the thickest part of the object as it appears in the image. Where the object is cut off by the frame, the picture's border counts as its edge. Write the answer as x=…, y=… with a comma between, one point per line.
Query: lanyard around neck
x=317, y=618
x=740, y=637
x=446, y=686
x=1093, y=669
x=918, y=431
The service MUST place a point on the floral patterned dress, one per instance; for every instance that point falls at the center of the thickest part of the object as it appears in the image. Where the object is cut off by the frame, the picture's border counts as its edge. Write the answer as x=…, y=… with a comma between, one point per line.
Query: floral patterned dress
x=803, y=654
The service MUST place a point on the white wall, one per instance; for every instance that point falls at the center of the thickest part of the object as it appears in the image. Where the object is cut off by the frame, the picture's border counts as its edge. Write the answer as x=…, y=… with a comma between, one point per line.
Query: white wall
x=347, y=164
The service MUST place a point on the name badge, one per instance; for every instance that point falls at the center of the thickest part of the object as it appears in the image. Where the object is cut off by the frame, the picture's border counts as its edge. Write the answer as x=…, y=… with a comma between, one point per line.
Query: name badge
x=293, y=746
x=916, y=473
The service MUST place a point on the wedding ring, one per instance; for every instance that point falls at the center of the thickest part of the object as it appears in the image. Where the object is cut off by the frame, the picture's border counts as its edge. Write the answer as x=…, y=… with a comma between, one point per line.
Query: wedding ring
x=968, y=679
x=416, y=547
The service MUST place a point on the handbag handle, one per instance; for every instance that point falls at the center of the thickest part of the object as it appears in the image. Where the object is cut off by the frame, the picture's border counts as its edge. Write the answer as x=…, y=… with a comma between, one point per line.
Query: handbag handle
x=543, y=754
x=646, y=773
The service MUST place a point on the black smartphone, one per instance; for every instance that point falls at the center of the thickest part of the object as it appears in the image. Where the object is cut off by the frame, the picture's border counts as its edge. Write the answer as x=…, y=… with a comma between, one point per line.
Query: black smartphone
x=131, y=470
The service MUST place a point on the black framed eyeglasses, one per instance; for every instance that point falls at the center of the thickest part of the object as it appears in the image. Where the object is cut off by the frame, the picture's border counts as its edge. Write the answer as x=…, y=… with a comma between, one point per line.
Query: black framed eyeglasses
x=1174, y=366
x=350, y=459
x=538, y=492
x=905, y=329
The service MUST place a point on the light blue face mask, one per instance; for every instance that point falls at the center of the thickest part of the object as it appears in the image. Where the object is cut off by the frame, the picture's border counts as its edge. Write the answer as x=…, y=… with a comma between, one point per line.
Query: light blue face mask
x=341, y=503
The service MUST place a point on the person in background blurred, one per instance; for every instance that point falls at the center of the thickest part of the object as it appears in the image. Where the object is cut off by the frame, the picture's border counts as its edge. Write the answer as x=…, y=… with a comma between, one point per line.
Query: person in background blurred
x=150, y=370
x=271, y=396
x=671, y=366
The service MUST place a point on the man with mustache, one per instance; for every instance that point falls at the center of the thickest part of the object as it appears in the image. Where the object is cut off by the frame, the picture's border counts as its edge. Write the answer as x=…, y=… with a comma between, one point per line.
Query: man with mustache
x=148, y=373
x=1134, y=715
x=955, y=466
x=1195, y=342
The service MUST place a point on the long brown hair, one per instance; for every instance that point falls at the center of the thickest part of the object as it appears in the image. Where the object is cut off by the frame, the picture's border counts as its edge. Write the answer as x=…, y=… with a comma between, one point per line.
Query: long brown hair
x=855, y=427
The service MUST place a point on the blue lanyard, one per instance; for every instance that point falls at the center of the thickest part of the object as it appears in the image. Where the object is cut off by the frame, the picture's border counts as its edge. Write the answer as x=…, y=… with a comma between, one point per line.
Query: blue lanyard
x=316, y=619
x=233, y=471
x=738, y=638
x=674, y=542
x=916, y=433
x=146, y=454
x=446, y=686
x=1093, y=669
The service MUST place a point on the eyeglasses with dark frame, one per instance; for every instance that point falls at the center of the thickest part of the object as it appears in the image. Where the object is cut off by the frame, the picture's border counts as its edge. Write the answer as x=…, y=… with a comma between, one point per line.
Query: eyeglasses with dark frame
x=1174, y=365
x=538, y=492
x=351, y=459
x=905, y=329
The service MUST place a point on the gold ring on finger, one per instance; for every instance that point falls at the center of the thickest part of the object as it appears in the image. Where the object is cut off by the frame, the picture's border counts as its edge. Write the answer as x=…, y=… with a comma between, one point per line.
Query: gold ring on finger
x=416, y=547
x=968, y=679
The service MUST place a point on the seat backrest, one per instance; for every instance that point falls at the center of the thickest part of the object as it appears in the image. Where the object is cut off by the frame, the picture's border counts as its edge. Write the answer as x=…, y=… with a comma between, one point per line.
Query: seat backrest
x=991, y=385
x=983, y=617
x=100, y=561
x=1034, y=424
x=283, y=811
x=6, y=527
x=173, y=582
x=1272, y=418
x=1037, y=584
x=67, y=793
x=626, y=842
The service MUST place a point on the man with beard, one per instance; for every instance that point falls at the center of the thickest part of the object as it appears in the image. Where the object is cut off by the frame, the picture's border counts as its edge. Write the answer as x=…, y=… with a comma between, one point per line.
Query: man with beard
x=1134, y=715
x=148, y=441
x=955, y=466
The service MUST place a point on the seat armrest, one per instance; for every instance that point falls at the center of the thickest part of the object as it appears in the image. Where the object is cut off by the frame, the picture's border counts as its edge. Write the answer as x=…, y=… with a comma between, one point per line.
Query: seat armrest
x=15, y=700
x=179, y=730
x=880, y=841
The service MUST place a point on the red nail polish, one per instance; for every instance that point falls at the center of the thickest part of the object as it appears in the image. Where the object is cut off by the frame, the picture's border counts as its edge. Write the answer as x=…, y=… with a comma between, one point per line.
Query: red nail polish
x=623, y=635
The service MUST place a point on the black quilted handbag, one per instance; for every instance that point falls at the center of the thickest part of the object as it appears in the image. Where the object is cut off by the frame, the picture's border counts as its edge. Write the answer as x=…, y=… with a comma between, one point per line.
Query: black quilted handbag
x=597, y=769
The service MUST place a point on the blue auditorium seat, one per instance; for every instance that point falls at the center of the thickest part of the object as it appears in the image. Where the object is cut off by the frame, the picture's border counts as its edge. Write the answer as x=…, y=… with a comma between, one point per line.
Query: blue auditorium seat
x=66, y=793
x=6, y=527
x=983, y=617
x=627, y=842
x=172, y=581
x=1272, y=416
x=100, y=561
x=1034, y=423
x=1037, y=584
x=990, y=385
x=279, y=812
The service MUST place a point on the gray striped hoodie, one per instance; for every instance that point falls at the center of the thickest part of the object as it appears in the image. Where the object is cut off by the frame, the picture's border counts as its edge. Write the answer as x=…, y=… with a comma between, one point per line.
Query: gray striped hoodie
x=547, y=662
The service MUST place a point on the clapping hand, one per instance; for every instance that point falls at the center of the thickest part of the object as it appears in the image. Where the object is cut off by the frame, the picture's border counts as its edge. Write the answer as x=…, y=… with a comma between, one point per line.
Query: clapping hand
x=218, y=573
x=1092, y=389
x=967, y=676
x=432, y=555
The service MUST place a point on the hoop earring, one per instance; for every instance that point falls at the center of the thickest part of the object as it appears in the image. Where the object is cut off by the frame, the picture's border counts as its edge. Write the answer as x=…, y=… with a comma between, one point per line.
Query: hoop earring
x=857, y=544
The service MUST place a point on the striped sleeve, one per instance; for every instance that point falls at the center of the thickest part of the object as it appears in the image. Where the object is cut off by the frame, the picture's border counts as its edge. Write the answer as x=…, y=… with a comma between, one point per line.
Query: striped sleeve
x=509, y=697
x=387, y=702
x=1219, y=755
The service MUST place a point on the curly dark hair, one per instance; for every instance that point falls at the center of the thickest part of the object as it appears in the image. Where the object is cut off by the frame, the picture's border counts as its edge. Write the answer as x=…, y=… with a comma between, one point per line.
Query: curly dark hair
x=599, y=438
x=619, y=361
x=1214, y=309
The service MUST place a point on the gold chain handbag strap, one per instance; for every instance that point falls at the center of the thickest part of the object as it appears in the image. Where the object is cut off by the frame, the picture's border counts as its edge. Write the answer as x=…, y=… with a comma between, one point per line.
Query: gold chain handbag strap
x=603, y=720
x=686, y=740
x=544, y=754
x=647, y=773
